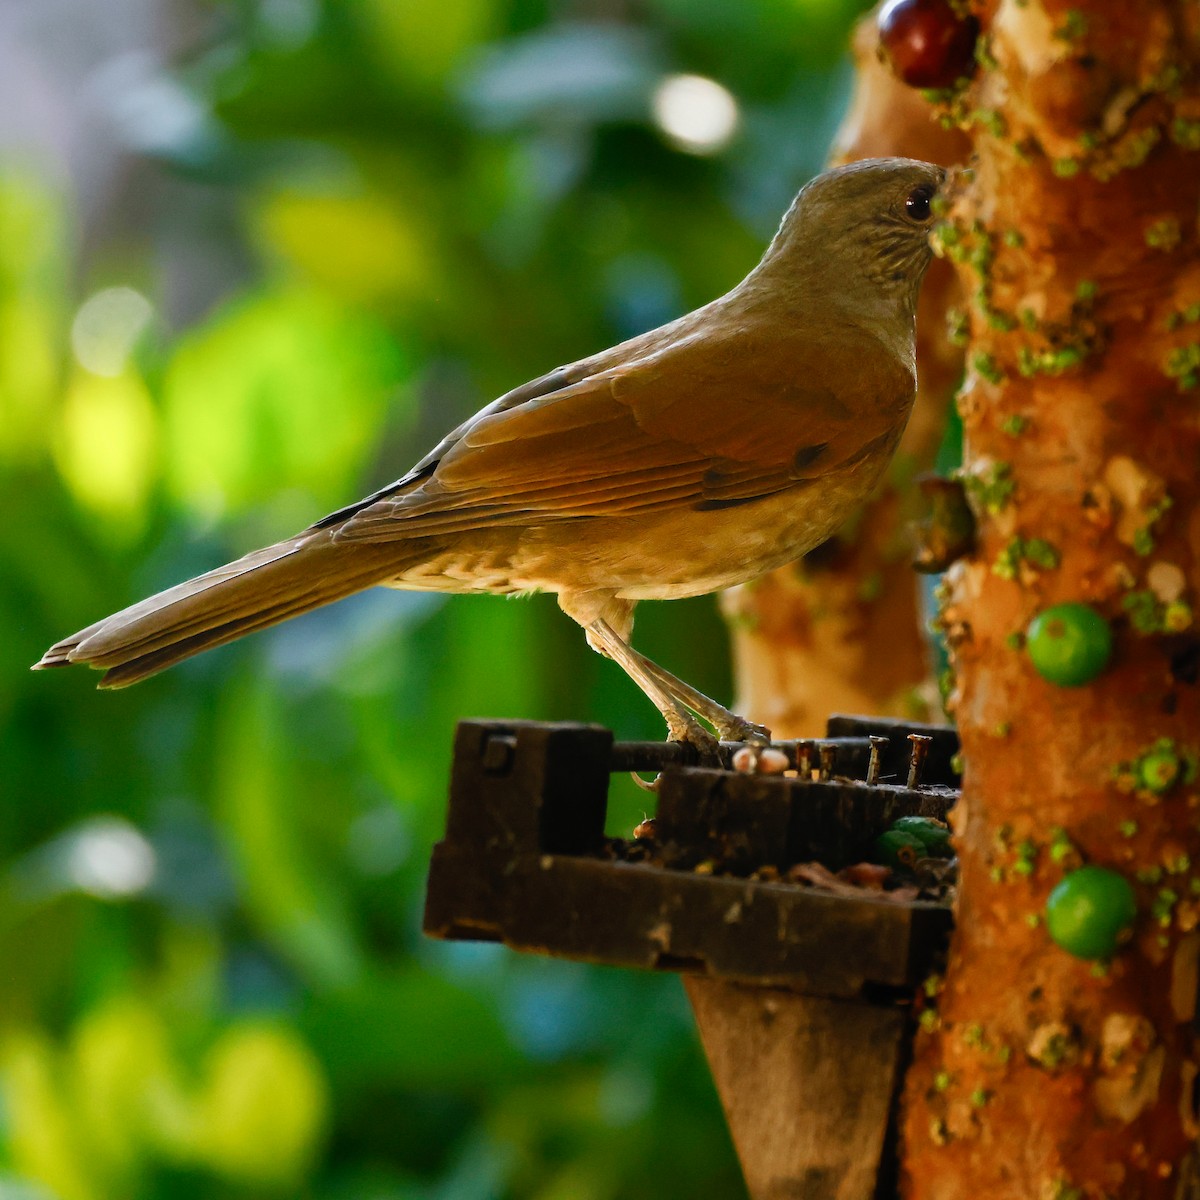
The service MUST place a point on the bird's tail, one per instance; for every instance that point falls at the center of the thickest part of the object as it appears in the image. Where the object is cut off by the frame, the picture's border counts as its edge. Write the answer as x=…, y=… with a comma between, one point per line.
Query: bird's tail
x=261, y=589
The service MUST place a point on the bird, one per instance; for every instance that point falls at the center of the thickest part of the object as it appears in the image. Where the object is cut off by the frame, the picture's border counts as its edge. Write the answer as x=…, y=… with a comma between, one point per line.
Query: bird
x=688, y=459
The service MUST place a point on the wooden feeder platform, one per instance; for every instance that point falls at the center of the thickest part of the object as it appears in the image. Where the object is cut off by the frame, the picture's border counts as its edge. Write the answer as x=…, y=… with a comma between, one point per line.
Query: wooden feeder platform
x=802, y=996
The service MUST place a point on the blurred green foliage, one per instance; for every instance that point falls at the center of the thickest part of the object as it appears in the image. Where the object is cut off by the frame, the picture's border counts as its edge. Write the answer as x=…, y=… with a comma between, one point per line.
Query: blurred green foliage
x=215, y=984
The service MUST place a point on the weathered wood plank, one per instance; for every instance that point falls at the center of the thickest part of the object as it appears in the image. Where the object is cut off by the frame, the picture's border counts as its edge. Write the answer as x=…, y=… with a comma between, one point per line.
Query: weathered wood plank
x=806, y=1083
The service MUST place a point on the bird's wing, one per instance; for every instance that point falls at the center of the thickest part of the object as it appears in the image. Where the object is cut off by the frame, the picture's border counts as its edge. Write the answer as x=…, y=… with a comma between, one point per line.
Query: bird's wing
x=553, y=381
x=703, y=421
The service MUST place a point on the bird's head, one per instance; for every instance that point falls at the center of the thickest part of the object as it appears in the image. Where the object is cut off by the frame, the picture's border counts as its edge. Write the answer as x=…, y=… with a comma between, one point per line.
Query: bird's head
x=862, y=228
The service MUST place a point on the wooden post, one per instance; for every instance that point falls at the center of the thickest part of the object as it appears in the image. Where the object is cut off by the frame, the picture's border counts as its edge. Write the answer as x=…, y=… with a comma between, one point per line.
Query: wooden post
x=807, y=1084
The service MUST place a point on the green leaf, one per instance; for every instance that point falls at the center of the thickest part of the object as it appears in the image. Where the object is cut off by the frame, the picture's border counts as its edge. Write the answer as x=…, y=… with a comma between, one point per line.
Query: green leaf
x=282, y=390
x=297, y=908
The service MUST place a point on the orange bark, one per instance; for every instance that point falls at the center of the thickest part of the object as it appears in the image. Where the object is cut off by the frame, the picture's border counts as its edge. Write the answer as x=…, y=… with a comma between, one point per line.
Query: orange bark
x=840, y=631
x=1043, y=1077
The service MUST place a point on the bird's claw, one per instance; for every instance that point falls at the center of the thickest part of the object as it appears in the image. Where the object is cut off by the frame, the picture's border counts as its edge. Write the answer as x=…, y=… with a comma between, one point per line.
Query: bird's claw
x=692, y=733
x=683, y=727
x=740, y=730
x=647, y=785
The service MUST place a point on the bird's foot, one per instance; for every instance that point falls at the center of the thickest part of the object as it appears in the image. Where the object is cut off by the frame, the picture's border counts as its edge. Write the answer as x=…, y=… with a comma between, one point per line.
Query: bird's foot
x=738, y=729
x=682, y=727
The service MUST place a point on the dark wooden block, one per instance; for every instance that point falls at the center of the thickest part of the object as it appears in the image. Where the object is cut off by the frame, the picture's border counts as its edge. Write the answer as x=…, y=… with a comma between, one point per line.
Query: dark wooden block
x=749, y=821
x=741, y=821
x=632, y=915
x=524, y=862
x=528, y=787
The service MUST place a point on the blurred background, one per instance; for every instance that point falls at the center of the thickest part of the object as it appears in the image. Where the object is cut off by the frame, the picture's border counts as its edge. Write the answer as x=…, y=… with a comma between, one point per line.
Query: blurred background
x=255, y=256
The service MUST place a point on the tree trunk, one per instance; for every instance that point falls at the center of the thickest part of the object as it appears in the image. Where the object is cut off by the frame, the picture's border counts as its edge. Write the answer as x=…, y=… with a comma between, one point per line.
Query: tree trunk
x=1039, y=1075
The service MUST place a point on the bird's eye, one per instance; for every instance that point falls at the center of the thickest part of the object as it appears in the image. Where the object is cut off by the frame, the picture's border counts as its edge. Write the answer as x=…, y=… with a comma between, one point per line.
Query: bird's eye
x=917, y=205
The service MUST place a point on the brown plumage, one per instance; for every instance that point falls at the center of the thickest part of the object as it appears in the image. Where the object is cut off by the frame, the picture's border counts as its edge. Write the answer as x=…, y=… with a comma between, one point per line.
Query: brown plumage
x=688, y=459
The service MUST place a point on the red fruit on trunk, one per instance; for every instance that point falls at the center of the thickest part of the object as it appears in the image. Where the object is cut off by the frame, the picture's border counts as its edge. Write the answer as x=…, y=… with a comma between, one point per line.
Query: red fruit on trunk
x=927, y=43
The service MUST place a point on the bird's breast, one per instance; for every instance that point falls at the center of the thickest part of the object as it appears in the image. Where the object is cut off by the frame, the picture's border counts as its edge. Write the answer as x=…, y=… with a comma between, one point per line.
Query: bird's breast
x=682, y=552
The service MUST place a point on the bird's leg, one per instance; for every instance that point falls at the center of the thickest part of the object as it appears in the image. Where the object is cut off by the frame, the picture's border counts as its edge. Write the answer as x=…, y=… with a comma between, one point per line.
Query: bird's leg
x=729, y=726
x=681, y=725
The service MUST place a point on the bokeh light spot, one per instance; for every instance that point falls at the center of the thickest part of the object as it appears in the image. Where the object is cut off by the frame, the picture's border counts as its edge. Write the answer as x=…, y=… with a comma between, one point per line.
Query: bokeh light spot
x=696, y=114
x=110, y=858
x=106, y=329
